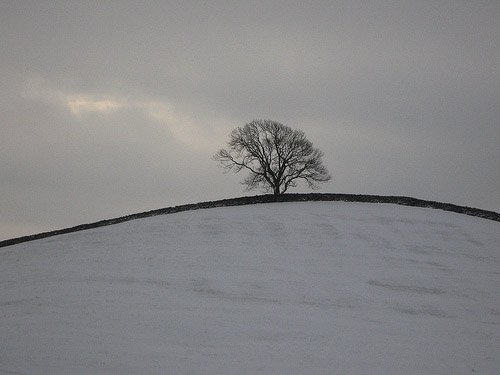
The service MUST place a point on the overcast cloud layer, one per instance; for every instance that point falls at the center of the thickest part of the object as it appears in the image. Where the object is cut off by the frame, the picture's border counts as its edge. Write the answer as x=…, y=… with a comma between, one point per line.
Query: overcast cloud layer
x=117, y=107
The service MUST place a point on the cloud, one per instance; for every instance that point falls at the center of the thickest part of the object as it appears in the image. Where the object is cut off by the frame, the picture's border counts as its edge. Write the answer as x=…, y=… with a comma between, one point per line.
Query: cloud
x=181, y=125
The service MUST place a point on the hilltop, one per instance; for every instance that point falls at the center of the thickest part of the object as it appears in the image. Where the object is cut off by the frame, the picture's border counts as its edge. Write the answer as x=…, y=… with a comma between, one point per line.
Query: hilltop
x=301, y=197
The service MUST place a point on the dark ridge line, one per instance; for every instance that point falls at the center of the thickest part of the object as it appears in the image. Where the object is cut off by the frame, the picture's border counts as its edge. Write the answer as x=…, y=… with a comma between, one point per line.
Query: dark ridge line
x=404, y=201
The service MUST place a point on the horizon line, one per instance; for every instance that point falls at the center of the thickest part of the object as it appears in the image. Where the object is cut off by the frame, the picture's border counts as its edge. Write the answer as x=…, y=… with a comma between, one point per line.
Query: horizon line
x=265, y=198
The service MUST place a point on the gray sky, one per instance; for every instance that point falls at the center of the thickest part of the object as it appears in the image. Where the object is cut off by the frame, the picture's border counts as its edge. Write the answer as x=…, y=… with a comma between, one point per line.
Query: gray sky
x=110, y=108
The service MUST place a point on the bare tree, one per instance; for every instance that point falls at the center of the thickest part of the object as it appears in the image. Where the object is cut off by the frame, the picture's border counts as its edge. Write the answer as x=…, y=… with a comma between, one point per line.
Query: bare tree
x=275, y=156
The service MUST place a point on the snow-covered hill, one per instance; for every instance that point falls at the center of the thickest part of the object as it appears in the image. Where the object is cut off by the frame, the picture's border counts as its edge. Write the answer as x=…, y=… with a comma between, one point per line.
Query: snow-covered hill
x=283, y=288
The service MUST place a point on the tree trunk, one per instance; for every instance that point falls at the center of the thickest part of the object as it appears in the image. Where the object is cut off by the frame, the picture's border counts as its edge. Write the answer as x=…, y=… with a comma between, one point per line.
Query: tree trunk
x=276, y=190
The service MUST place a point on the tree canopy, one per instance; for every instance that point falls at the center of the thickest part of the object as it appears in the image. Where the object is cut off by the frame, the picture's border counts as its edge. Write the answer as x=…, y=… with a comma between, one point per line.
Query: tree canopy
x=275, y=156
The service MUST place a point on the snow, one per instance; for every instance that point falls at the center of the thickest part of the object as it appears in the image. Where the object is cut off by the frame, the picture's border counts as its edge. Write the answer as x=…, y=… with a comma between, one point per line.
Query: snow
x=289, y=288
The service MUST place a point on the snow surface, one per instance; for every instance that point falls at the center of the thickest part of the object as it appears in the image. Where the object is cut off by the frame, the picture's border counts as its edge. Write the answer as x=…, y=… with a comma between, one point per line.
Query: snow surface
x=289, y=288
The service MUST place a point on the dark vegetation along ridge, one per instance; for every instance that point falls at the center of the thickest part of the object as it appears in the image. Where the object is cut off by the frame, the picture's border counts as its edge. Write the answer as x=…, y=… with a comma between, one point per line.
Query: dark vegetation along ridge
x=405, y=201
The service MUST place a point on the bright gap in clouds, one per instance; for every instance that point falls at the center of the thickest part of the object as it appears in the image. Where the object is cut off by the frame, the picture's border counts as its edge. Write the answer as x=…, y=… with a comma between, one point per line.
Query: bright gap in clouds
x=80, y=105
x=182, y=126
